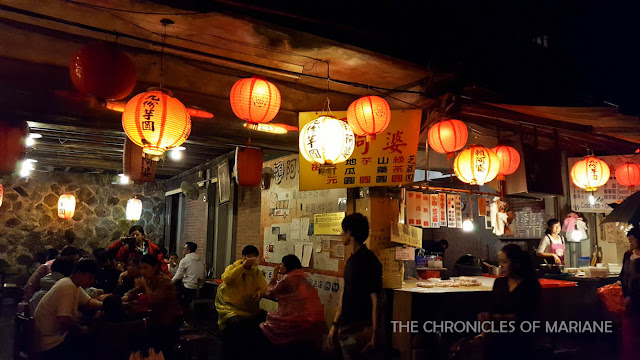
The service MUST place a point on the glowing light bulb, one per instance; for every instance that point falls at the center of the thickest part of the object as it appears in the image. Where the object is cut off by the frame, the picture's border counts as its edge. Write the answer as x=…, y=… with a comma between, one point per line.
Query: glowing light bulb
x=467, y=225
x=124, y=179
x=592, y=199
x=31, y=139
x=576, y=235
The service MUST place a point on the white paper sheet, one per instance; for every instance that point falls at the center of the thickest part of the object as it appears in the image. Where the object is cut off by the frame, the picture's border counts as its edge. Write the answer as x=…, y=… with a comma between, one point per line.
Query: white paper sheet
x=297, y=250
x=295, y=229
x=304, y=229
x=307, y=250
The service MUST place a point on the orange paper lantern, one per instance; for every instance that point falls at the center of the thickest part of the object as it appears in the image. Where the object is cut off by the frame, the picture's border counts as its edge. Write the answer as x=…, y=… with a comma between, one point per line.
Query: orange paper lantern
x=369, y=115
x=628, y=174
x=255, y=100
x=102, y=70
x=66, y=206
x=1, y=194
x=590, y=173
x=13, y=137
x=156, y=121
x=476, y=165
x=509, y=160
x=447, y=137
x=248, y=167
x=136, y=164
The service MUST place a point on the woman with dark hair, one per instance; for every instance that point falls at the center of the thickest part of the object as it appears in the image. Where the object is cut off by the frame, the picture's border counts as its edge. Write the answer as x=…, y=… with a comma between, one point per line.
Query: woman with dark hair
x=155, y=290
x=515, y=297
x=552, y=245
x=300, y=315
x=136, y=245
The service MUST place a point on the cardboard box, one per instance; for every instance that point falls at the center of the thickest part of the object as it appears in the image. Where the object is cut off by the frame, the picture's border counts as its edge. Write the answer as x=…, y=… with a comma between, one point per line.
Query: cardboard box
x=379, y=240
x=392, y=269
x=380, y=212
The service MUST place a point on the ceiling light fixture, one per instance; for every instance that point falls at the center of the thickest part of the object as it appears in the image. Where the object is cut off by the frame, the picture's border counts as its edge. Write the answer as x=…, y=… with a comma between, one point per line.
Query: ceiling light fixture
x=176, y=153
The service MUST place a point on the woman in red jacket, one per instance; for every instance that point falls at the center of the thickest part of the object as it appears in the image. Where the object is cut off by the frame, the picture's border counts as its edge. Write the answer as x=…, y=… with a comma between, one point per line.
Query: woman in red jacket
x=135, y=245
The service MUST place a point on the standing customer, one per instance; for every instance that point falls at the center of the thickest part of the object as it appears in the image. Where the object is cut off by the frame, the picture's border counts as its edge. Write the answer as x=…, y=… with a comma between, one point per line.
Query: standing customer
x=190, y=271
x=552, y=245
x=355, y=323
x=58, y=332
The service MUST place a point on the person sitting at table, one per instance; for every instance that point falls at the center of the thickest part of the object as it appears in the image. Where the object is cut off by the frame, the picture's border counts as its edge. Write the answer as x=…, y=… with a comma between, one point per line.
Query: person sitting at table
x=58, y=332
x=515, y=297
x=299, y=318
x=107, y=278
x=156, y=290
x=190, y=271
x=237, y=301
x=127, y=278
x=135, y=245
x=61, y=268
x=33, y=284
x=172, y=264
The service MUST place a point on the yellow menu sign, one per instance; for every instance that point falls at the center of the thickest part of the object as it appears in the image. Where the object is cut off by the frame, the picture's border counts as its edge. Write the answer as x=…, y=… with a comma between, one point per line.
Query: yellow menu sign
x=328, y=224
x=387, y=160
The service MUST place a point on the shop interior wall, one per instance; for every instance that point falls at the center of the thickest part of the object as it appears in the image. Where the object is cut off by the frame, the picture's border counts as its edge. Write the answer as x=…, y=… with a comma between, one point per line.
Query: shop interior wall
x=29, y=219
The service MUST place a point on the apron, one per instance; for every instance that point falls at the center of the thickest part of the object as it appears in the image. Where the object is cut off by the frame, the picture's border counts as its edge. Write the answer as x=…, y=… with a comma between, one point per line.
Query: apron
x=558, y=249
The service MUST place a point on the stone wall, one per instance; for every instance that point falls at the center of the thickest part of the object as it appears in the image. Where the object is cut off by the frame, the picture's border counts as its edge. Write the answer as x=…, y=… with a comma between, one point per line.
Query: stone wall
x=29, y=220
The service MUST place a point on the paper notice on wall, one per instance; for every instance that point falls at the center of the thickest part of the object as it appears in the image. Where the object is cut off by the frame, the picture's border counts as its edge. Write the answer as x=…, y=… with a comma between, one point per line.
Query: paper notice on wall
x=435, y=210
x=426, y=210
x=405, y=234
x=295, y=229
x=297, y=250
x=323, y=261
x=336, y=250
x=412, y=215
x=442, y=206
x=451, y=210
x=328, y=224
x=304, y=229
x=307, y=250
x=405, y=253
x=482, y=206
x=392, y=269
x=458, y=212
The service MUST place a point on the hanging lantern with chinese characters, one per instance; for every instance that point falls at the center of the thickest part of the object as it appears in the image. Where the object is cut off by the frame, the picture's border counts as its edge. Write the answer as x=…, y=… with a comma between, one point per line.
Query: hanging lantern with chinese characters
x=590, y=173
x=66, y=206
x=102, y=70
x=368, y=116
x=255, y=100
x=137, y=165
x=248, y=167
x=13, y=136
x=628, y=174
x=447, y=137
x=509, y=160
x=134, y=209
x=156, y=121
x=1, y=194
x=476, y=165
x=326, y=141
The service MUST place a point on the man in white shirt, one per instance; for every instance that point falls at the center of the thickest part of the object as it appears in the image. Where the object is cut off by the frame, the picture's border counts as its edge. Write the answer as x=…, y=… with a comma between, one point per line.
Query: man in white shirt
x=55, y=317
x=191, y=269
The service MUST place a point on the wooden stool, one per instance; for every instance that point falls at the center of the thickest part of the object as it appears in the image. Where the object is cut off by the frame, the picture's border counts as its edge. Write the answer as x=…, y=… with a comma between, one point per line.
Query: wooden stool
x=193, y=343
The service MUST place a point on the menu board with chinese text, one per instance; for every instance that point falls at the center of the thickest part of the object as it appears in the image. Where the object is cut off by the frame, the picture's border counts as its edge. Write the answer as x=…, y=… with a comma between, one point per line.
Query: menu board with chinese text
x=387, y=160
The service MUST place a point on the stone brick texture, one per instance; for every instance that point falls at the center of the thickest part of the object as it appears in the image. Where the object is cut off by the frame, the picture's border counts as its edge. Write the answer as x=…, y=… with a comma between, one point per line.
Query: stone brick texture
x=29, y=214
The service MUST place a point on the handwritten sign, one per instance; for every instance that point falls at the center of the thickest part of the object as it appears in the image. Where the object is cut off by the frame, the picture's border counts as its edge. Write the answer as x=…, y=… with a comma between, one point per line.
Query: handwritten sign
x=328, y=224
x=435, y=210
x=387, y=160
x=405, y=234
x=392, y=269
x=405, y=253
x=426, y=210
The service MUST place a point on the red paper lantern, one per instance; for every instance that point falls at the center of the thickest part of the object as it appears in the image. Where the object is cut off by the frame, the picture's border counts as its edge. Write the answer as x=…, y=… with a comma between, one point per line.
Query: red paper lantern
x=628, y=174
x=1, y=194
x=13, y=135
x=509, y=160
x=476, y=165
x=369, y=115
x=590, y=173
x=66, y=206
x=447, y=137
x=156, y=121
x=248, y=166
x=136, y=164
x=102, y=70
x=255, y=100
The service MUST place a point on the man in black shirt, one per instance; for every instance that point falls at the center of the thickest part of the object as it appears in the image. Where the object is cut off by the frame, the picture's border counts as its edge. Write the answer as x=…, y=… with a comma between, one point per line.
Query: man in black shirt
x=355, y=322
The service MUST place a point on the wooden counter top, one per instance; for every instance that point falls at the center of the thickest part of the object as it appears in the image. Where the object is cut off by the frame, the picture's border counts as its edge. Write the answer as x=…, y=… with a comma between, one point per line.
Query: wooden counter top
x=412, y=286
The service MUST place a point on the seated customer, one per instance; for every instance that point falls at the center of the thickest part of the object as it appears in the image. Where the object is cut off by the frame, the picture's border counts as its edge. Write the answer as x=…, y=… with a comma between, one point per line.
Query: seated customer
x=237, y=301
x=33, y=284
x=515, y=297
x=107, y=278
x=172, y=263
x=56, y=326
x=61, y=268
x=126, y=280
x=156, y=290
x=300, y=314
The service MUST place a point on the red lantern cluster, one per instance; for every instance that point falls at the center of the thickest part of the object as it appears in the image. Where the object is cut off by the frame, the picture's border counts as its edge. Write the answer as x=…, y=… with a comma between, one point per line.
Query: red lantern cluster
x=255, y=100
x=136, y=164
x=102, y=70
x=628, y=174
x=369, y=115
x=447, y=137
x=248, y=166
x=509, y=160
x=13, y=137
